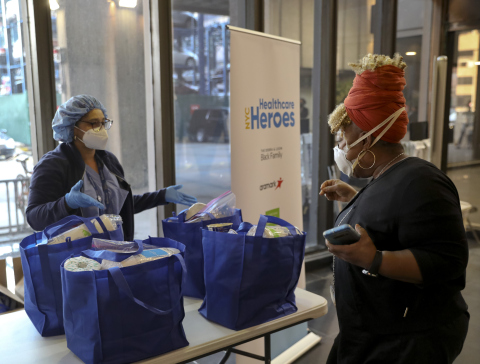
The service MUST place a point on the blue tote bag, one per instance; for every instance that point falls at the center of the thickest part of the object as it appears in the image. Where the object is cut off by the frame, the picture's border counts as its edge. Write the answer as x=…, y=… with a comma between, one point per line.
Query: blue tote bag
x=41, y=269
x=190, y=234
x=250, y=280
x=122, y=315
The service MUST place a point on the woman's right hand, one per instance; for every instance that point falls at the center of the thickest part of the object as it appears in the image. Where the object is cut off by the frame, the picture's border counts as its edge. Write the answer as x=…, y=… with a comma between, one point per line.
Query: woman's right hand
x=336, y=190
x=76, y=199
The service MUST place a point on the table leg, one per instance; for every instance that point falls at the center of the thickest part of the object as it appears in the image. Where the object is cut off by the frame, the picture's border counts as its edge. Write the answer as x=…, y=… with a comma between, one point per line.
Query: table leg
x=472, y=229
x=268, y=349
x=226, y=356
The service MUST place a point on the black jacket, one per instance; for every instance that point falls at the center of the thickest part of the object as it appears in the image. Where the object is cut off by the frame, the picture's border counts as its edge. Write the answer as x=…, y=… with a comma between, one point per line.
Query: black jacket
x=414, y=206
x=59, y=170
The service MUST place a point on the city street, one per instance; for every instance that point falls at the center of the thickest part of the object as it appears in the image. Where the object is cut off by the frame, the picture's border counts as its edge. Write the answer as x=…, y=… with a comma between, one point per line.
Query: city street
x=9, y=171
x=203, y=169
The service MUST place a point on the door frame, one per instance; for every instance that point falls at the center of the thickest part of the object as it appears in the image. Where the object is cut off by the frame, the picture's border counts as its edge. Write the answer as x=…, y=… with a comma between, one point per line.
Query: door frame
x=452, y=33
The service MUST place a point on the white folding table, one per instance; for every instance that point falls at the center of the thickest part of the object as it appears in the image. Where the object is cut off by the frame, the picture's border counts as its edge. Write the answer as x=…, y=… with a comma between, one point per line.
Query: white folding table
x=21, y=343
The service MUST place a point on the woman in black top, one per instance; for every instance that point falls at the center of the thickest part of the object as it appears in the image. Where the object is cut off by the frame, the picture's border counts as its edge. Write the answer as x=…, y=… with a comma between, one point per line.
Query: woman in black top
x=397, y=290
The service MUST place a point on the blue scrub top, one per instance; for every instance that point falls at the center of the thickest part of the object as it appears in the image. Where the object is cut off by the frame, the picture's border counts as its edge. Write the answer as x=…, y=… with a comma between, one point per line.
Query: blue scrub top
x=92, y=186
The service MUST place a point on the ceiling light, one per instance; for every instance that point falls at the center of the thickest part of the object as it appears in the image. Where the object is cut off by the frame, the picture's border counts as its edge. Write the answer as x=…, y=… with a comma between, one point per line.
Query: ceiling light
x=54, y=5
x=411, y=53
x=477, y=63
x=127, y=3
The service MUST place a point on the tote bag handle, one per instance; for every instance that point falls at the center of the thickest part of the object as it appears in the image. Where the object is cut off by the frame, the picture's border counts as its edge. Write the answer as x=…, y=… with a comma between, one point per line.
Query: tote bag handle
x=55, y=230
x=123, y=286
x=264, y=219
x=109, y=255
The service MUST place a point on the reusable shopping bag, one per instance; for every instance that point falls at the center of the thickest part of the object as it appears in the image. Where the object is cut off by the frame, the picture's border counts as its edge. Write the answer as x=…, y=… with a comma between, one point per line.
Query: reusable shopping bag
x=122, y=315
x=190, y=234
x=250, y=280
x=41, y=269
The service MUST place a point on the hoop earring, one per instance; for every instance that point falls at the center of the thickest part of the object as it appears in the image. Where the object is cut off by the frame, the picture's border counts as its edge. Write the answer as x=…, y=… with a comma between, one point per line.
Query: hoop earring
x=365, y=152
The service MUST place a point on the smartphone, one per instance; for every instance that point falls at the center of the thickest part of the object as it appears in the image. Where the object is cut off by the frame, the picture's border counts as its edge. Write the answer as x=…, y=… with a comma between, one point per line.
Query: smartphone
x=342, y=235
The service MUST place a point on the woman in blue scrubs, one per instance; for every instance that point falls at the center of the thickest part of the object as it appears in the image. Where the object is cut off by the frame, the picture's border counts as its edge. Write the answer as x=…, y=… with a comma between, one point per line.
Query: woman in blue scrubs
x=81, y=178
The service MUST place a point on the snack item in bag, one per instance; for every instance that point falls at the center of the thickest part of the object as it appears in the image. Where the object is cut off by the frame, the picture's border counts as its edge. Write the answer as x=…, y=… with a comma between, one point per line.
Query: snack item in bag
x=220, y=228
x=149, y=255
x=221, y=206
x=111, y=222
x=271, y=231
x=106, y=264
x=194, y=209
x=118, y=246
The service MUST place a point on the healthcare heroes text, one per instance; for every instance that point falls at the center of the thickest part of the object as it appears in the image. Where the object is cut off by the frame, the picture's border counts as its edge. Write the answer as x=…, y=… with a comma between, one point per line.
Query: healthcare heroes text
x=255, y=118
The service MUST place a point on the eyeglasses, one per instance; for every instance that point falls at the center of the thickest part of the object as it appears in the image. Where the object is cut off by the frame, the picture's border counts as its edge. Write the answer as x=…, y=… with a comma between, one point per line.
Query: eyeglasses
x=98, y=125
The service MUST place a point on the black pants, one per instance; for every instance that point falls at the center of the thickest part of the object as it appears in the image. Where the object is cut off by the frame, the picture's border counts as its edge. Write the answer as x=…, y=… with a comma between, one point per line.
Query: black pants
x=440, y=345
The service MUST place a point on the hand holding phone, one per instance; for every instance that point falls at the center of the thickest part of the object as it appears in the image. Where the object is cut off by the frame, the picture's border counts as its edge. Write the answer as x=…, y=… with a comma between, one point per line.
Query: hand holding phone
x=342, y=235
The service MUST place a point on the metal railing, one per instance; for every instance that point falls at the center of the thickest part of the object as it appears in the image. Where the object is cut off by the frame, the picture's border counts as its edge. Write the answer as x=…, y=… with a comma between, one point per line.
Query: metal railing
x=13, y=204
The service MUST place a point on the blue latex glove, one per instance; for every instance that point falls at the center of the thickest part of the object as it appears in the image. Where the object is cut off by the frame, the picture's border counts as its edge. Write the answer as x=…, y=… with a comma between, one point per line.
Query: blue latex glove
x=172, y=195
x=76, y=199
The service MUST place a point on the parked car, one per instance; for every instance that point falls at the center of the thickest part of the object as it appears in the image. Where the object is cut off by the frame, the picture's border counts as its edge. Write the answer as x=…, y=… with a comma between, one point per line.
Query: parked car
x=184, y=19
x=209, y=125
x=184, y=58
x=7, y=145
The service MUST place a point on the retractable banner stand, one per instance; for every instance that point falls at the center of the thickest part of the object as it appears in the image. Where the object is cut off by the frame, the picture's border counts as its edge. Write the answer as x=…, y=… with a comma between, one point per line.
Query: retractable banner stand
x=265, y=140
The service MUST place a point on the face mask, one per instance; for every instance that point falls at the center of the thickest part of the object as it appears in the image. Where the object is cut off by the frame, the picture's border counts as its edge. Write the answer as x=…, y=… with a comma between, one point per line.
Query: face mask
x=95, y=140
x=340, y=155
x=343, y=164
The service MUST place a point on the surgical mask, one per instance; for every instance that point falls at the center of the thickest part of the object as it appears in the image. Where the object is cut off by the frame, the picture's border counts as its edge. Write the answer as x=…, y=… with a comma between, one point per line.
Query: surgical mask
x=343, y=164
x=95, y=139
x=340, y=155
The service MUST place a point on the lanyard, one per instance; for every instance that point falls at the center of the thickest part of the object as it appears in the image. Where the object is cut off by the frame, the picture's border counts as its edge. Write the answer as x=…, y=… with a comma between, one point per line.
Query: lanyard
x=106, y=192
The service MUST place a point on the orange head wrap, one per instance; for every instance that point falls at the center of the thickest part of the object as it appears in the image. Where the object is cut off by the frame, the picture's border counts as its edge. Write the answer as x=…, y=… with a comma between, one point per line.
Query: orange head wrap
x=374, y=96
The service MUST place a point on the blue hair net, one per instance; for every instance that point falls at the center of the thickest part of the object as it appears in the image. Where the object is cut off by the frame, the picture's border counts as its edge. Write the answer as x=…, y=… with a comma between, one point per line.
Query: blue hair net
x=70, y=112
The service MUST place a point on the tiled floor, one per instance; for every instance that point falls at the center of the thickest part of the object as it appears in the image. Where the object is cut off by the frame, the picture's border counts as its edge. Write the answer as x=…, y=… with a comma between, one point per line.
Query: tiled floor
x=318, y=281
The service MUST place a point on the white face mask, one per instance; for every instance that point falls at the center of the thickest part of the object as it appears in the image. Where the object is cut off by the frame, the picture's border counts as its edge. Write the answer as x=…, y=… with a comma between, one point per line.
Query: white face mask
x=95, y=139
x=340, y=155
x=343, y=164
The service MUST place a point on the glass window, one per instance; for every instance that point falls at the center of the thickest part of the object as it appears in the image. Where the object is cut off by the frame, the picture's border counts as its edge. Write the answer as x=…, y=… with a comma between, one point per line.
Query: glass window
x=464, y=128
x=413, y=18
x=100, y=49
x=202, y=98
x=15, y=140
x=354, y=40
x=463, y=147
x=295, y=21
x=411, y=50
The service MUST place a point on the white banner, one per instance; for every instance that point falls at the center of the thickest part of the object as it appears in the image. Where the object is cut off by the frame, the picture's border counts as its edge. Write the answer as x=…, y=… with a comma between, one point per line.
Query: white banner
x=265, y=125
x=265, y=141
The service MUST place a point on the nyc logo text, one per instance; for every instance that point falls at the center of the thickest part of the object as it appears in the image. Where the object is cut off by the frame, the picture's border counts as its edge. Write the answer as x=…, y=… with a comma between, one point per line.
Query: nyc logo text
x=272, y=113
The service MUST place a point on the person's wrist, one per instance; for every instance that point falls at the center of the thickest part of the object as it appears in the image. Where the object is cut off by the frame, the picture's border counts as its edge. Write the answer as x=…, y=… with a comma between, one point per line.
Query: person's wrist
x=352, y=195
x=69, y=209
x=374, y=268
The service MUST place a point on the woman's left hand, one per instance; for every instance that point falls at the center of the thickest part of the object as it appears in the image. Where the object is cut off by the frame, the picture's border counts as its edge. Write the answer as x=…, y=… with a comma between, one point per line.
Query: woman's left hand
x=360, y=253
x=175, y=196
